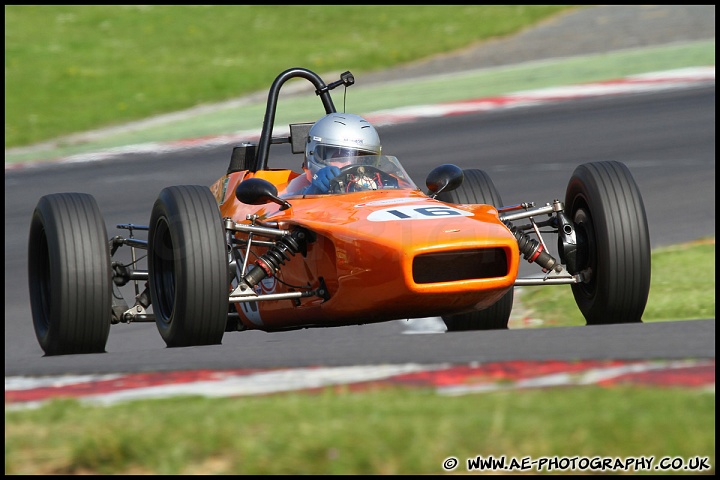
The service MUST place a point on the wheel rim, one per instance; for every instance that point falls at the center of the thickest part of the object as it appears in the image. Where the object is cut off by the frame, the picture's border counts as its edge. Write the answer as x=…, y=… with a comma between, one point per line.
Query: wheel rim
x=587, y=253
x=164, y=272
x=41, y=281
x=44, y=284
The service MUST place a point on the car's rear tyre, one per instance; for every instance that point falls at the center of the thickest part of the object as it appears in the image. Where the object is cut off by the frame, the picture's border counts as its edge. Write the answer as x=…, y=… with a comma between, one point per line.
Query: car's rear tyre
x=69, y=275
x=604, y=203
x=477, y=187
x=188, y=267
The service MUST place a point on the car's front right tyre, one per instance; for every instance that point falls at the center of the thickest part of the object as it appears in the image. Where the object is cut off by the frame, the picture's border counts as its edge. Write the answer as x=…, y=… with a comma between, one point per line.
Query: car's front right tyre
x=188, y=267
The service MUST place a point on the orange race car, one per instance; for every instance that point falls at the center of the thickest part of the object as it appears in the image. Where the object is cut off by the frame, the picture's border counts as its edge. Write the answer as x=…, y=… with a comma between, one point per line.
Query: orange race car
x=252, y=252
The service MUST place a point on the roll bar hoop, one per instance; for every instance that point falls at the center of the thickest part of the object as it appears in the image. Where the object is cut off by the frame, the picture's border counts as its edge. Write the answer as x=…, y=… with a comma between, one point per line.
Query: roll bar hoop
x=322, y=90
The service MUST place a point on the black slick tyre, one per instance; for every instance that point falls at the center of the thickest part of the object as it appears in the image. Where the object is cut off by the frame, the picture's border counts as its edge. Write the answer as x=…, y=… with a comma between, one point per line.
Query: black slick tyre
x=188, y=267
x=477, y=187
x=69, y=275
x=604, y=203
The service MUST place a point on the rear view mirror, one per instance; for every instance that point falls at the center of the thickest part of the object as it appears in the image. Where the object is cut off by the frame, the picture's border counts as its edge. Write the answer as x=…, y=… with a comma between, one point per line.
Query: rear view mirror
x=256, y=191
x=444, y=178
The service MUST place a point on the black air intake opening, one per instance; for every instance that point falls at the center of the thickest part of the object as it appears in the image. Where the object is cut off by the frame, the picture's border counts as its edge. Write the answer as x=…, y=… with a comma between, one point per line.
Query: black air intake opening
x=460, y=265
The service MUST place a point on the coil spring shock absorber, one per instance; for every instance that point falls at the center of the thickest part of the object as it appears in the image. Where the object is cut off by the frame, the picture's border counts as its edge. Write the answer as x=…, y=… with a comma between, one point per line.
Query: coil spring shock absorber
x=269, y=263
x=532, y=250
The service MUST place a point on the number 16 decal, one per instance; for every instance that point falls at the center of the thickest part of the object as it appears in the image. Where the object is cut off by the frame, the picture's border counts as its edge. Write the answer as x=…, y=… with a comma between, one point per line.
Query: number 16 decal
x=416, y=212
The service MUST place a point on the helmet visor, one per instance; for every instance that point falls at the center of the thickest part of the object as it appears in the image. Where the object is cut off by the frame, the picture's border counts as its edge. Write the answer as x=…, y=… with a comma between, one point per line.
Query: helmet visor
x=325, y=153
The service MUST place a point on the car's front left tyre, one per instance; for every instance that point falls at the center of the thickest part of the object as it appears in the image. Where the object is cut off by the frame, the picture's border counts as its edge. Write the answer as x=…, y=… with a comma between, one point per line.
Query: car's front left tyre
x=69, y=275
x=188, y=267
x=478, y=187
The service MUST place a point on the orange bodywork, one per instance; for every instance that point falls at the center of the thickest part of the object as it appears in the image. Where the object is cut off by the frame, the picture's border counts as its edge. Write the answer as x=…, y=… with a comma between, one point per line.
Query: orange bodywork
x=382, y=255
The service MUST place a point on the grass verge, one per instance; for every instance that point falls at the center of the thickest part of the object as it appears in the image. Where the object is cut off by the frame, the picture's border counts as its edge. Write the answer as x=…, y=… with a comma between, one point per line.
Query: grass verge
x=389, y=430
x=682, y=287
x=72, y=68
x=382, y=431
x=364, y=100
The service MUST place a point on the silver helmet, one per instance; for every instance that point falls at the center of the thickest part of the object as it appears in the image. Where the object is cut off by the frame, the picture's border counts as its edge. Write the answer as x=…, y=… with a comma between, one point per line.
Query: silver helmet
x=340, y=135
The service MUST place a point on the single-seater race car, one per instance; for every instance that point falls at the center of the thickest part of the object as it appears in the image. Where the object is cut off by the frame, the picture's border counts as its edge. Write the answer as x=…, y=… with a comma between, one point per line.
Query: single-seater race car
x=240, y=255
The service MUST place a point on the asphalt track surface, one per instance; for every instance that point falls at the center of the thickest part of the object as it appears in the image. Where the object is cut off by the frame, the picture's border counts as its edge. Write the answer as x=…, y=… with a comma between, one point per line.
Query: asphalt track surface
x=666, y=139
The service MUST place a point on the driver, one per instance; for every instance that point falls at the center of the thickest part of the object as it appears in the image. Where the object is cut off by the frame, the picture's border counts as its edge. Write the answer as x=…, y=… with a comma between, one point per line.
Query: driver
x=334, y=136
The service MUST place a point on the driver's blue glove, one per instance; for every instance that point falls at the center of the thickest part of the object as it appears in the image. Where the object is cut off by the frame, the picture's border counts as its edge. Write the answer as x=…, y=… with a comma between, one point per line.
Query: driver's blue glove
x=321, y=180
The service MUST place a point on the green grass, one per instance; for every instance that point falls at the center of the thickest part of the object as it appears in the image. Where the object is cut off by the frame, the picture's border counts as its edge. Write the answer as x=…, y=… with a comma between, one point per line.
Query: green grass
x=382, y=431
x=682, y=287
x=74, y=68
x=364, y=99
